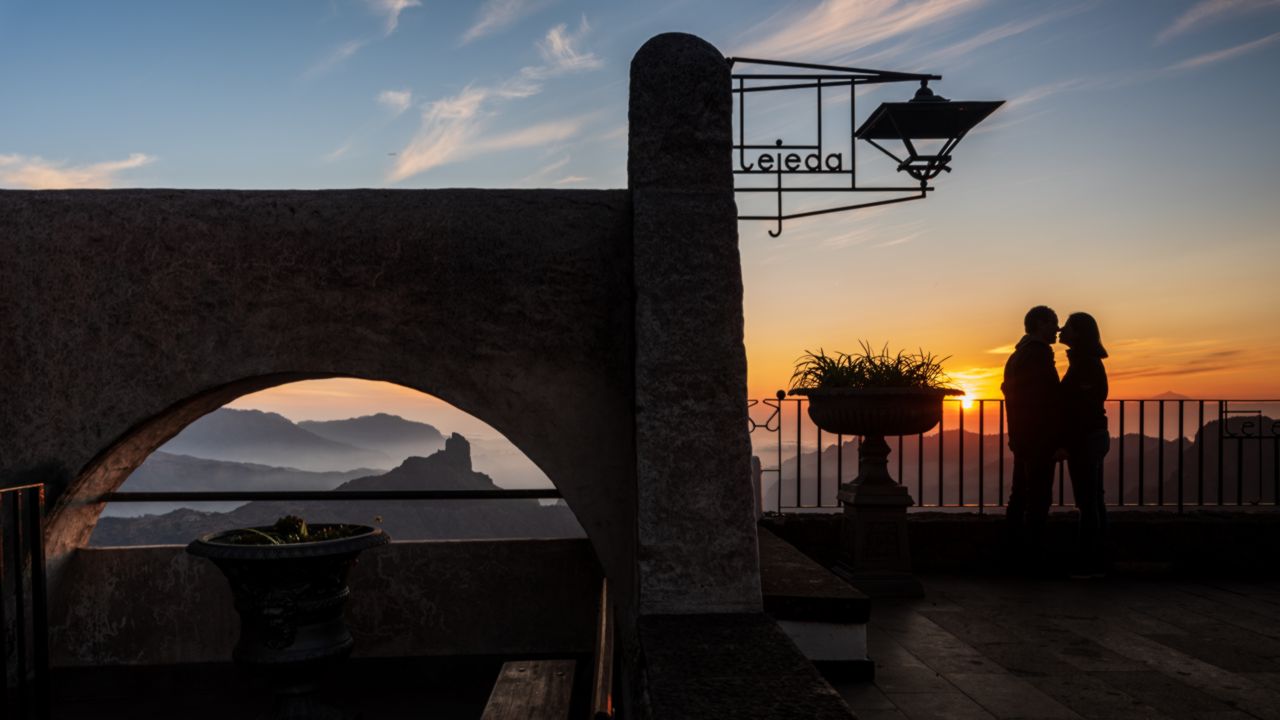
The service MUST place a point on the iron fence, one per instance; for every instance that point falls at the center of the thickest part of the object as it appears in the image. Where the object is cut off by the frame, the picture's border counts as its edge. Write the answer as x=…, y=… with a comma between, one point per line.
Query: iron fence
x=1202, y=453
x=24, y=622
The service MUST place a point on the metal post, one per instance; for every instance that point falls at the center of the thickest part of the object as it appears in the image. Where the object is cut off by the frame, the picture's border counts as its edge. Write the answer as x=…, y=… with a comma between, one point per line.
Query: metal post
x=941, y=453
x=1182, y=434
x=1000, y=451
x=1160, y=459
x=960, y=452
x=982, y=419
x=819, y=503
x=1120, y=479
x=1222, y=419
x=1200, y=435
x=1142, y=450
x=920, y=467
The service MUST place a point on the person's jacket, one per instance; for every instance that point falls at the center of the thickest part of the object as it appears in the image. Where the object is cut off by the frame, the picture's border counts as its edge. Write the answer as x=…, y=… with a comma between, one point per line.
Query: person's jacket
x=1032, y=398
x=1084, y=392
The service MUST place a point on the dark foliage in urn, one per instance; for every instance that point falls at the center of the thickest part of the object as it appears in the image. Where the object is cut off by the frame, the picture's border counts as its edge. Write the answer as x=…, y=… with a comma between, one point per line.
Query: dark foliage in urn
x=870, y=368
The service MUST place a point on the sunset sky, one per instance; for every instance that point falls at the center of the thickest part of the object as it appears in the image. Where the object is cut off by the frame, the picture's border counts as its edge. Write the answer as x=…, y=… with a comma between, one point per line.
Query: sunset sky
x=1134, y=172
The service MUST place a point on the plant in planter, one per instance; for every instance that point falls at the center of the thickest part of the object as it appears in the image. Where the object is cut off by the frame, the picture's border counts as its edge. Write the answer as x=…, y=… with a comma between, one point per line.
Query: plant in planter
x=289, y=581
x=873, y=394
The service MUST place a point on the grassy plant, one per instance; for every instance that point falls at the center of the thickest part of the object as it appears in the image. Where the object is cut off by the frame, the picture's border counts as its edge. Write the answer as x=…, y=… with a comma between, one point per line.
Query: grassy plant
x=288, y=530
x=870, y=369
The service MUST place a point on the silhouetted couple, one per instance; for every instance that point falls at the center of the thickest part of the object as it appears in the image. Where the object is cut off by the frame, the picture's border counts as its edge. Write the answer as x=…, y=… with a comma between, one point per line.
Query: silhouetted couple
x=1049, y=421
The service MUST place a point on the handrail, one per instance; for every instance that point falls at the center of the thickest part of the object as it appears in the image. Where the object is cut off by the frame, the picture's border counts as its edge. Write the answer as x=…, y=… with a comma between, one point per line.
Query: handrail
x=1242, y=467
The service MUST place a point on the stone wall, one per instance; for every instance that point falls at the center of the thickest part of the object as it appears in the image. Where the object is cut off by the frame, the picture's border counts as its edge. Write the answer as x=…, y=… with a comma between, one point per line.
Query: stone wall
x=157, y=605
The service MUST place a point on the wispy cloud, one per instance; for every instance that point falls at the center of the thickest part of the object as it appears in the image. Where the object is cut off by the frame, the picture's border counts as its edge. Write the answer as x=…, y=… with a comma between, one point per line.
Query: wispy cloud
x=1209, y=11
x=543, y=172
x=496, y=15
x=899, y=240
x=1040, y=92
x=337, y=152
x=455, y=127
x=571, y=180
x=834, y=29
x=36, y=173
x=396, y=100
x=1200, y=61
x=390, y=10
x=559, y=53
x=336, y=57
x=956, y=51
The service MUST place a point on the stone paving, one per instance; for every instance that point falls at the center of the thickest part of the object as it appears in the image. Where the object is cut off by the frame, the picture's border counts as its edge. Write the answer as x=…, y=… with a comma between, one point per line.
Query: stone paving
x=1114, y=649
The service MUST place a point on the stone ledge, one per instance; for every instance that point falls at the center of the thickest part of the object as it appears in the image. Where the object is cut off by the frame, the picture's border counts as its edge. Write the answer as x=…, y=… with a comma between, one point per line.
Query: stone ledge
x=797, y=588
x=739, y=666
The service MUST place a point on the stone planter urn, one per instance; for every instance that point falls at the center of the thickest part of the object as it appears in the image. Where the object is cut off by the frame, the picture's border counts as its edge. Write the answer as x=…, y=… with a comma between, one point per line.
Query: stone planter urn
x=874, y=531
x=290, y=598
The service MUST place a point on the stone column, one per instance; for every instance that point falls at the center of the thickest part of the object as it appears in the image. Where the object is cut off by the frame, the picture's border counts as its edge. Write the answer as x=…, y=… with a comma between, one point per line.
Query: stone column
x=695, y=520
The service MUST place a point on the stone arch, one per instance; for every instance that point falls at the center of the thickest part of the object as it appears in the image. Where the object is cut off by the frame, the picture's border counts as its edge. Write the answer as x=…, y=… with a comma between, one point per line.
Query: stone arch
x=600, y=330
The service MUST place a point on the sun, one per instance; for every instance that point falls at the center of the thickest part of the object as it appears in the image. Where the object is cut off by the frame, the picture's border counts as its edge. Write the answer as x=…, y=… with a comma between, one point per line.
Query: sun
x=966, y=401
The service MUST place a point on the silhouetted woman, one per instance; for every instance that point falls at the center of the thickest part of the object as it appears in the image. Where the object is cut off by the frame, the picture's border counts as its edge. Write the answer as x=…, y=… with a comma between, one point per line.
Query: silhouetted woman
x=1085, y=436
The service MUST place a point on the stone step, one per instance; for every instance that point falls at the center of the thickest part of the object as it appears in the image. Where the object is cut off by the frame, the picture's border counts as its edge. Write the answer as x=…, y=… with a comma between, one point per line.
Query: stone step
x=824, y=615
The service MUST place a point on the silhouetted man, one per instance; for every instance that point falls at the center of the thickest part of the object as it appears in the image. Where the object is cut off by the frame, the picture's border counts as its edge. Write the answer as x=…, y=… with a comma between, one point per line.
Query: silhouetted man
x=1032, y=405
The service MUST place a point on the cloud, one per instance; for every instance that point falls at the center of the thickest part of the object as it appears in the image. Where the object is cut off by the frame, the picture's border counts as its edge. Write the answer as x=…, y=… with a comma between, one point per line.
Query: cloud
x=452, y=131
x=834, y=29
x=543, y=172
x=957, y=51
x=496, y=15
x=898, y=241
x=1208, y=11
x=453, y=128
x=396, y=100
x=571, y=180
x=559, y=54
x=390, y=10
x=339, y=55
x=336, y=153
x=1200, y=61
x=36, y=173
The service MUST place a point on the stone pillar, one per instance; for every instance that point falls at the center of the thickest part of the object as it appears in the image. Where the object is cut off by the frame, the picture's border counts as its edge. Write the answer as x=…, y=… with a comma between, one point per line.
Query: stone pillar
x=695, y=520
x=873, y=530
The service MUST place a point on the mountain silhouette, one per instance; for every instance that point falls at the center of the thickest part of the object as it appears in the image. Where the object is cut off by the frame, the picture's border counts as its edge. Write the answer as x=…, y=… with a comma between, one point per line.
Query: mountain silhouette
x=447, y=469
x=267, y=438
x=390, y=434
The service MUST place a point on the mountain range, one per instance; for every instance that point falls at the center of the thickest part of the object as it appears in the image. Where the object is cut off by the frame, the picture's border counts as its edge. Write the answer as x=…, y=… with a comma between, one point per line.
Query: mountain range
x=449, y=468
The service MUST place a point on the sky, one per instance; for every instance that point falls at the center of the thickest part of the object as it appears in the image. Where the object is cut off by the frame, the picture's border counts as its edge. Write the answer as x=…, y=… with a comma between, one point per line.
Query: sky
x=1133, y=173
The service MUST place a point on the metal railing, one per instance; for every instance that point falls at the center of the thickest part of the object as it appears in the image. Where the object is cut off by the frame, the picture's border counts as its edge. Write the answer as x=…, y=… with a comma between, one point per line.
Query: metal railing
x=24, y=621
x=1202, y=453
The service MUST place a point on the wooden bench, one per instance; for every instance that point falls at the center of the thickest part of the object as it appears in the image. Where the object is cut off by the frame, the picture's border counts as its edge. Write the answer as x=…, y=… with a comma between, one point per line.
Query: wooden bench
x=531, y=690
x=543, y=689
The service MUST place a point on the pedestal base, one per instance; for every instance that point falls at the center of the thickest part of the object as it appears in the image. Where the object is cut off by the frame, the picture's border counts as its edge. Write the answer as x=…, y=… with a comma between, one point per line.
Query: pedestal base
x=874, y=532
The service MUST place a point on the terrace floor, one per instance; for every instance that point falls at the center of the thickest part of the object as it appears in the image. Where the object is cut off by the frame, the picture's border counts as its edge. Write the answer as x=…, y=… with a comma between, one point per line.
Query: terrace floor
x=1114, y=648
x=974, y=647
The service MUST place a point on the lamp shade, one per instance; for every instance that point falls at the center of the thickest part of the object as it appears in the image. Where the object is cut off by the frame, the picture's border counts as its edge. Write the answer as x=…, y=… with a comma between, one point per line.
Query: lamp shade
x=925, y=119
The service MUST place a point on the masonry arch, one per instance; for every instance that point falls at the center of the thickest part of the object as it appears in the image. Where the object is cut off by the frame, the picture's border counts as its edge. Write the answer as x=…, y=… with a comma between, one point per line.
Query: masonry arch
x=600, y=330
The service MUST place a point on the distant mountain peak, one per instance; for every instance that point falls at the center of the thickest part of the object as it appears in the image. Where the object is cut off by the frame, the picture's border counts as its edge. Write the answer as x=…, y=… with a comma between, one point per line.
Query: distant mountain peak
x=1169, y=395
